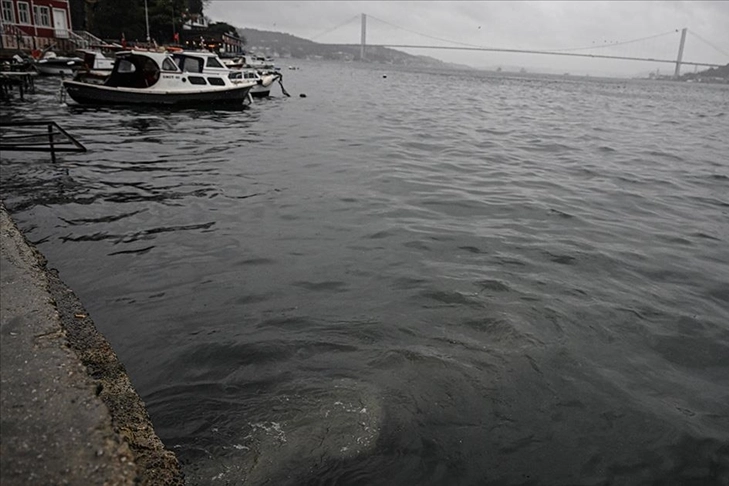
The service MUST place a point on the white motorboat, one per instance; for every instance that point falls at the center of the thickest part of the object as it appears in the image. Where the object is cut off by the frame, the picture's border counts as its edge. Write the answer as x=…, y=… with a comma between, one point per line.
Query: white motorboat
x=207, y=62
x=96, y=60
x=154, y=78
x=263, y=81
x=264, y=67
x=51, y=64
x=96, y=68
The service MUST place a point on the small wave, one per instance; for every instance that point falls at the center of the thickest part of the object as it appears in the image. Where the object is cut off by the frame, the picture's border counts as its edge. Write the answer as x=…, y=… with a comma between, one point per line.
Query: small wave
x=452, y=298
x=140, y=251
x=665, y=155
x=495, y=285
x=332, y=286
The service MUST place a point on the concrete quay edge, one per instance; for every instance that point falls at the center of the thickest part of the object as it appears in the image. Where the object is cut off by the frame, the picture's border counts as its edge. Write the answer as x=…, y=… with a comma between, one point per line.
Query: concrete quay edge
x=68, y=411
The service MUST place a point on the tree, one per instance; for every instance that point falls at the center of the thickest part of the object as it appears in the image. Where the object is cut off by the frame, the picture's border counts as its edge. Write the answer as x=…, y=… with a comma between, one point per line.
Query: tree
x=111, y=18
x=165, y=18
x=219, y=28
x=196, y=6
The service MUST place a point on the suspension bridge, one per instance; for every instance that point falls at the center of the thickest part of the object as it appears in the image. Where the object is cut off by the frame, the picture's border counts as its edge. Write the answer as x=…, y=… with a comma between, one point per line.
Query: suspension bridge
x=678, y=61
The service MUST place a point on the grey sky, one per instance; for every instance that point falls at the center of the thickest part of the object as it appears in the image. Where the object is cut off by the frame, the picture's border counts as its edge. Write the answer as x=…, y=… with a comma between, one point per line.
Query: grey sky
x=515, y=24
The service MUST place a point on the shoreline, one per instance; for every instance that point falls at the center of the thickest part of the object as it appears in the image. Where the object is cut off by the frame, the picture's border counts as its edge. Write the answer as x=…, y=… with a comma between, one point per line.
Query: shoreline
x=69, y=412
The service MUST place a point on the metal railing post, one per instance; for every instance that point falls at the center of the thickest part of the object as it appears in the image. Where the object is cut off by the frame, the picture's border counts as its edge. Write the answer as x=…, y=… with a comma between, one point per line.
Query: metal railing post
x=50, y=140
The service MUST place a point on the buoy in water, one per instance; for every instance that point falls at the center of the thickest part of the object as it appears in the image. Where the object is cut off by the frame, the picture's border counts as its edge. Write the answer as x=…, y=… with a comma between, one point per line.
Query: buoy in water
x=302, y=95
x=384, y=75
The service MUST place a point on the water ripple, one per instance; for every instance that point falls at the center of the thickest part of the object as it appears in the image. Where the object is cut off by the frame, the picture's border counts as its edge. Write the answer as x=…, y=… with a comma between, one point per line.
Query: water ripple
x=384, y=283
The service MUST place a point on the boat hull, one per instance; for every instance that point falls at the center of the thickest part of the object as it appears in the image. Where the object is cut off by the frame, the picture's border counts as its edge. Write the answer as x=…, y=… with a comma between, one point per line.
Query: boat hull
x=260, y=91
x=56, y=69
x=93, y=94
x=263, y=89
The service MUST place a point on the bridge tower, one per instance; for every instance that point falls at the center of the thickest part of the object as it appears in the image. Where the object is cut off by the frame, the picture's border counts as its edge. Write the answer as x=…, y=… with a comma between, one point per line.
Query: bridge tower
x=677, y=73
x=364, y=38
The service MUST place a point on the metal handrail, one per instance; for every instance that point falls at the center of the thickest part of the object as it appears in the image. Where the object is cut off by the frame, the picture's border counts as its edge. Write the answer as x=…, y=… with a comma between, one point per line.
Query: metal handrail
x=35, y=142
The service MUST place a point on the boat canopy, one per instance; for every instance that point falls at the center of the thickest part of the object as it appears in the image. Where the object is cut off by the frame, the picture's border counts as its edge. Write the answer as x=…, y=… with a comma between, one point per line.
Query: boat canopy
x=140, y=69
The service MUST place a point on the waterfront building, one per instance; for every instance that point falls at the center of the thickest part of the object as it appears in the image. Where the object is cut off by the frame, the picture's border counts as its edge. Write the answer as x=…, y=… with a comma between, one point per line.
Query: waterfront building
x=31, y=25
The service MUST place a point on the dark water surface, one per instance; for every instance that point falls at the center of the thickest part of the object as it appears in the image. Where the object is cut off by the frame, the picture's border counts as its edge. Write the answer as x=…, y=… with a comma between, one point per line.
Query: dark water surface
x=428, y=279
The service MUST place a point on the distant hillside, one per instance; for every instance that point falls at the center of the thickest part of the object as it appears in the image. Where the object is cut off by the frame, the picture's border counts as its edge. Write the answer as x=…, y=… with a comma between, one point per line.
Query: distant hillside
x=281, y=46
x=720, y=74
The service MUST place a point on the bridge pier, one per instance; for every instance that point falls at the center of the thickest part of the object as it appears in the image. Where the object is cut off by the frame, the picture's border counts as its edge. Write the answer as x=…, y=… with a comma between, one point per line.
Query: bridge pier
x=677, y=73
x=364, y=38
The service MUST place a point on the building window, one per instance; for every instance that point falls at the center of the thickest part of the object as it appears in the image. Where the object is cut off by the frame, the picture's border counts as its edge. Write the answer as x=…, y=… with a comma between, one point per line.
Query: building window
x=23, y=13
x=42, y=16
x=8, y=12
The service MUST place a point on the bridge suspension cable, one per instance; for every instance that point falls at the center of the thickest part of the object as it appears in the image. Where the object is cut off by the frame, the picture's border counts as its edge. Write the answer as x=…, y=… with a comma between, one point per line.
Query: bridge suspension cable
x=718, y=49
x=614, y=44
x=421, y=34
x=329, y=31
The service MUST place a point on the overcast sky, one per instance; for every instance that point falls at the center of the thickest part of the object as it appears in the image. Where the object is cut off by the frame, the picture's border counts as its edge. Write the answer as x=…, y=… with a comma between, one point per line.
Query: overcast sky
x=541, y=25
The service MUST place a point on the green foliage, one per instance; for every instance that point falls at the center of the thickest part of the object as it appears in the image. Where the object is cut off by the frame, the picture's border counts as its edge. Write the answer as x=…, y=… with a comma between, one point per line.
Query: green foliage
x=221, y=28
x=111, y=18
x=197, y=6
x=165, y=18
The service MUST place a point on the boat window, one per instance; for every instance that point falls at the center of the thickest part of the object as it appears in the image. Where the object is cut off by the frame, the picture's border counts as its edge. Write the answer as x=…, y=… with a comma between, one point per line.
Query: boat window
x=213, y=63
x=126, y=66
x=169, y=65
x=235, y=75
x=196, y=80
x=216, y=81
x=135, y=71
x=192, y=65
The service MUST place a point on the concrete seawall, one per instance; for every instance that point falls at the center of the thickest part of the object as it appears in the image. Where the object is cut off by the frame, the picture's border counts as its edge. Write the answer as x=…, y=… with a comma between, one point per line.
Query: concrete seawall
x=68, y=412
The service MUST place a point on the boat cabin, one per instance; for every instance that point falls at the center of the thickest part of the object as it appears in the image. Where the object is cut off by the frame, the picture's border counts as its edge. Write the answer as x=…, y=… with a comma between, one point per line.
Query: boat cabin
x=200, y=62
x=140, y=69
x=144, y=69
x=245, y=74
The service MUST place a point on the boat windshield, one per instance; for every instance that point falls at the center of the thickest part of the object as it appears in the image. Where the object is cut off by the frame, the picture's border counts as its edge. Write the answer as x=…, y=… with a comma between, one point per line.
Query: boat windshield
x=214, y=63
x=134, y=72
x=189, y=64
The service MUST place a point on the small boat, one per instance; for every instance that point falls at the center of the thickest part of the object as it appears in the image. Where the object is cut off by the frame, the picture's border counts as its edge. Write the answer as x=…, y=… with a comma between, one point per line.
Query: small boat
x=265, y=80
x=263, y=67
x=96, y=68
x=95, y=60
x=207, y=62
x=154, y=78
x=51, y=64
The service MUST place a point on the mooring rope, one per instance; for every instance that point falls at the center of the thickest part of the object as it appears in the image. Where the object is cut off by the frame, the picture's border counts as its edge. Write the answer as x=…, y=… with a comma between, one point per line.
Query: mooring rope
x=280, y=82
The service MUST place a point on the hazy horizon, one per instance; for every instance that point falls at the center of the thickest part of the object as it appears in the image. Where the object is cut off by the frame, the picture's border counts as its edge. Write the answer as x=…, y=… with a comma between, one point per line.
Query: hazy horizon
x=516, y=25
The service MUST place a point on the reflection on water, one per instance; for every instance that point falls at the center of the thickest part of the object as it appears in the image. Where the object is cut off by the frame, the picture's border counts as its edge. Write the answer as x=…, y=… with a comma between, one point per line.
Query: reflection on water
x=434, y=278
